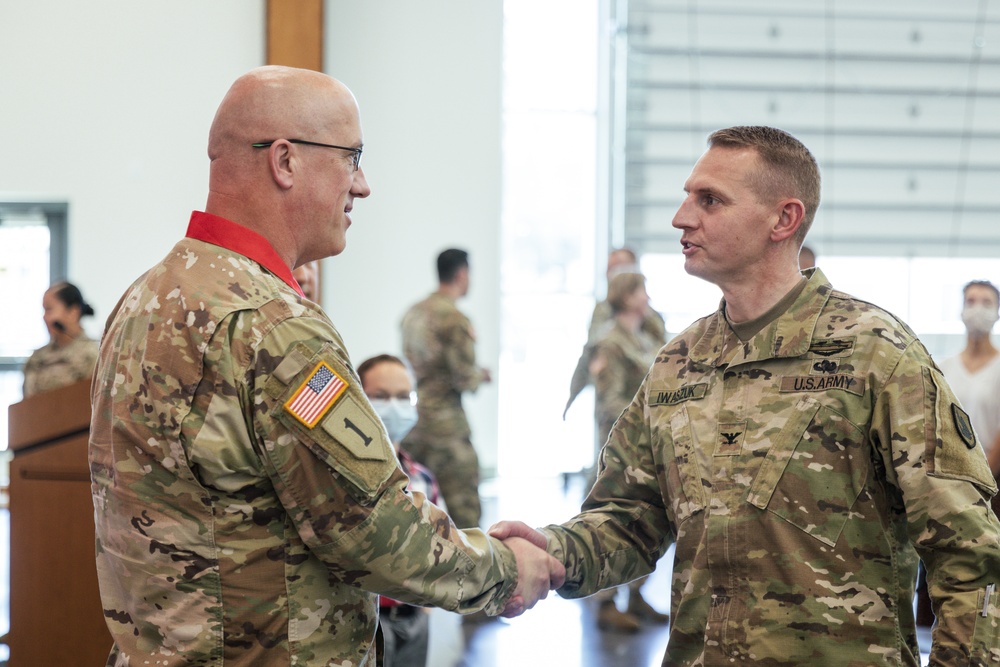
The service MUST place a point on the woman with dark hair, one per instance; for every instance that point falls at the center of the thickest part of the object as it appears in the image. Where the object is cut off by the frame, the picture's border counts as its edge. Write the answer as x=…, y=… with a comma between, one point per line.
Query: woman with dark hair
x=70, y=354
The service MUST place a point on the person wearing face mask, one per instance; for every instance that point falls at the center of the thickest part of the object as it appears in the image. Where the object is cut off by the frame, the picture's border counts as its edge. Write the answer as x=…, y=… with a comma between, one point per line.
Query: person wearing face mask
x=974, y=376
x=974, y=373
x=70, y=354
x=404, y=628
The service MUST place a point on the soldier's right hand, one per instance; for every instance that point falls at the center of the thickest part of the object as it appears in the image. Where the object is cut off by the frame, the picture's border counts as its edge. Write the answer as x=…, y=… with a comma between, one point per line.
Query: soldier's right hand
x=537, y=574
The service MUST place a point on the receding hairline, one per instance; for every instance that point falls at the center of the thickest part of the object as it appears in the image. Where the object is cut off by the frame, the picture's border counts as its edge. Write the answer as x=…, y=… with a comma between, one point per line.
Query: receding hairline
x=275, y=102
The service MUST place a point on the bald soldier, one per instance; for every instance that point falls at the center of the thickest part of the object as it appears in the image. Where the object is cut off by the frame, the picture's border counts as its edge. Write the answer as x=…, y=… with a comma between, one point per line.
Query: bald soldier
x=800, y=448
x=248, y=502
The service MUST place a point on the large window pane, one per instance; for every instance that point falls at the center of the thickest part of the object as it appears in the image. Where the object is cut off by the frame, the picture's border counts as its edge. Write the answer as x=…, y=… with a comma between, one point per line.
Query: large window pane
x=549, y=232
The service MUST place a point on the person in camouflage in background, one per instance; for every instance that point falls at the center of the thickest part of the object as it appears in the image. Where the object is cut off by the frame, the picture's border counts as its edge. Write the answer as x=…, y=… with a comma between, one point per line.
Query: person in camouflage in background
x=70, y=354
x=248, y=501
x=602, y=320
x=799, y=446
x=620, y=361
x=439, y=343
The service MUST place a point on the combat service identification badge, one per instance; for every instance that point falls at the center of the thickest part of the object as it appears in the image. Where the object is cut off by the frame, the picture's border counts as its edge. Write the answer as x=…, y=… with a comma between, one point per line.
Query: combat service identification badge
x=316, y=395
x=964, y=425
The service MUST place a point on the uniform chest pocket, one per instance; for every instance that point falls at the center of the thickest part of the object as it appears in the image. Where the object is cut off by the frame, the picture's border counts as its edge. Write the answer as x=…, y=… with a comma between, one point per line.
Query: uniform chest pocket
x=684, y=478
x=814, y=472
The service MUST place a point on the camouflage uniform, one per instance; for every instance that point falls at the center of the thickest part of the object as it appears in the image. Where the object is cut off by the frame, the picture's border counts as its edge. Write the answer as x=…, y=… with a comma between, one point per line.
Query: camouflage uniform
x=439, y=344
x=627, y=356
x=801, y=473
x=51, y=367
x=601, y=322
x=230, y=531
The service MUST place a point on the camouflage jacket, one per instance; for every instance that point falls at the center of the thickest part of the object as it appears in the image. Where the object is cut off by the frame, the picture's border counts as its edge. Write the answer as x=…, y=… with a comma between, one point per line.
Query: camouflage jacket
x=439, y=343
x=623, y=358
x=801, y=474
x=601, y=322
x=248, y=502
x=50, y=367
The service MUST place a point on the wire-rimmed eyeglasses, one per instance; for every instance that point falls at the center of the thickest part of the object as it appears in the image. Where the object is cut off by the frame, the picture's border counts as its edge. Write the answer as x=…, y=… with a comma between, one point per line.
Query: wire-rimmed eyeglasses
x=356, y=151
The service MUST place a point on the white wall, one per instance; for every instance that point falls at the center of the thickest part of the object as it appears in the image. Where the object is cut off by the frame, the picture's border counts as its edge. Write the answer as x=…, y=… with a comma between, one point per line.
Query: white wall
x=107, y=105
x=427, y=76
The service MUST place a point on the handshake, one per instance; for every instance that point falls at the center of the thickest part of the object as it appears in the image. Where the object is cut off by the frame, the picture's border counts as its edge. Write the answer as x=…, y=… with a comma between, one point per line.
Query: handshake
x=537, y=572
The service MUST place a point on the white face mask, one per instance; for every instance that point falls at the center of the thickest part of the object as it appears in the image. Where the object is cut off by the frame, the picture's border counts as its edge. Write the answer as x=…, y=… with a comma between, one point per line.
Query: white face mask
x=979, y=319
x=398, y=415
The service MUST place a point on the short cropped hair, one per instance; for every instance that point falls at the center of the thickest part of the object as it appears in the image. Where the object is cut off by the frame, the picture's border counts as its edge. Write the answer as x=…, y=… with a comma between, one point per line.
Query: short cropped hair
x=789, y=169
x=621, y=287
x=981, y=283
x=449, y=262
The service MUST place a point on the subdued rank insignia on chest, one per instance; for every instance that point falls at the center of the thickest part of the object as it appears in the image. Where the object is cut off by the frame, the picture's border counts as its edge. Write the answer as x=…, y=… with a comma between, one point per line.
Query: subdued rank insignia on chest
x=316, y=395
x=792, y=383
x=963, y=425
x=832, y=347
x=689, y=392
x=730, y=439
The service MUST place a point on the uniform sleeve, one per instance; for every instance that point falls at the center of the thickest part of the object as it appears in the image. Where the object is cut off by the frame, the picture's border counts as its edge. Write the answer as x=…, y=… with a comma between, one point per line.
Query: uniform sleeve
x=337, y=476
x=930, y=454
x=623, y=528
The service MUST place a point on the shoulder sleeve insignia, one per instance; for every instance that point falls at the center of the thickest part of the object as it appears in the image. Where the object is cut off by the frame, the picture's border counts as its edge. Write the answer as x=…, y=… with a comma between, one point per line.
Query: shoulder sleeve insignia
x=314, y=397
x=963, y=425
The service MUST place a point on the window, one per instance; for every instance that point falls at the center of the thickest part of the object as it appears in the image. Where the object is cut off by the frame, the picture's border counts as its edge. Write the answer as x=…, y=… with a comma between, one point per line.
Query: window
x=549, y=231
x=924, y=292
x=32, y=256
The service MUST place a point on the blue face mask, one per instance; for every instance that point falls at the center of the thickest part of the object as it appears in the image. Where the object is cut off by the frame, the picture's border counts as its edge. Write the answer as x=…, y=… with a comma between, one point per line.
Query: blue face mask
x=398, y=415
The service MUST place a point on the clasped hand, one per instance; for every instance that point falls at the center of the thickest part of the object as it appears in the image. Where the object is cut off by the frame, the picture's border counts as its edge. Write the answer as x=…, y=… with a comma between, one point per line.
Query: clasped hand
x=537, y=572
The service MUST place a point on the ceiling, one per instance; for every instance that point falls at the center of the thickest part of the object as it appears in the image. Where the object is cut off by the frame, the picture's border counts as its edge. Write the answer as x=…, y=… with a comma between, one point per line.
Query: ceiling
x=899, y=101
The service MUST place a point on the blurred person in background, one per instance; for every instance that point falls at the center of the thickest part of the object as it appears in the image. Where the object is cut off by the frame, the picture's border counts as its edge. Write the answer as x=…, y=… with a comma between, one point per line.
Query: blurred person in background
x=974, y=376
x=620, y=260
x=307, y=276
x=70, y=355
x=620, y=361
x=974, y=373
x=440, y=344
x=807, y=258
x=404, y=628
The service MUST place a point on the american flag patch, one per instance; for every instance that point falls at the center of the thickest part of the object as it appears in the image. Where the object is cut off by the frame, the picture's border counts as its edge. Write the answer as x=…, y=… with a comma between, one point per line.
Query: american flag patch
x=320, y=391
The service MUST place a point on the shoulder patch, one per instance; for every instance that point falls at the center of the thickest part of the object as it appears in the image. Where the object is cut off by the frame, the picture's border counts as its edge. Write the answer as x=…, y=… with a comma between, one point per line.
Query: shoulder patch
x=316, y=395
x=963, y=425
x=352, y=427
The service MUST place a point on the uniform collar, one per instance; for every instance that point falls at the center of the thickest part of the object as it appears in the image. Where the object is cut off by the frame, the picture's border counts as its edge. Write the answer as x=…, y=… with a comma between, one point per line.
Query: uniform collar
x=231, y=236
x=789, y=335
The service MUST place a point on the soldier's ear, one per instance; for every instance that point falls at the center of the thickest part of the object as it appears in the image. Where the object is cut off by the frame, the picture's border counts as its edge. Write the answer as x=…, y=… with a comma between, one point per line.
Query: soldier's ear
x=788, y=219
x=281, y=161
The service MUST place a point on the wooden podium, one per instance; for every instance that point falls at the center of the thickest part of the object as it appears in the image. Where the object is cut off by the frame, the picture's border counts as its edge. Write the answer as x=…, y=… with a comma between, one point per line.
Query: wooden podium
x=56, y=617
